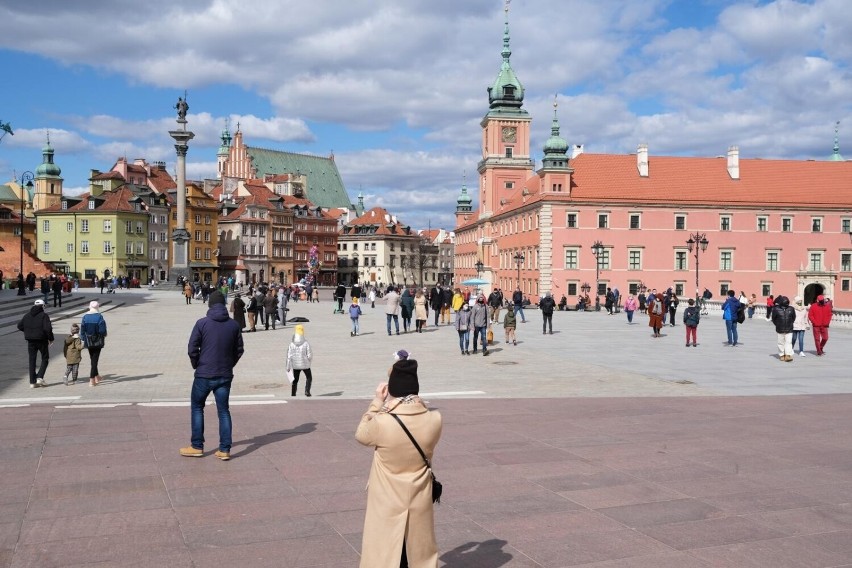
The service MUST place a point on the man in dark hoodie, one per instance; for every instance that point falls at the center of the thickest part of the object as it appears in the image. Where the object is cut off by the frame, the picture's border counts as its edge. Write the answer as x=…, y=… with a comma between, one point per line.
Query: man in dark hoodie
x=784, y=316
x=215, y=346
x=38, y=331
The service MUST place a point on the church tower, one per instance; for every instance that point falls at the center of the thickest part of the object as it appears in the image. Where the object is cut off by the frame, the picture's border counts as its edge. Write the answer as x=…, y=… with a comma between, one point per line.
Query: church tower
x=222, y=154
x=48, y=180
x=463, y=207
x=506, y=162
x=555, y=173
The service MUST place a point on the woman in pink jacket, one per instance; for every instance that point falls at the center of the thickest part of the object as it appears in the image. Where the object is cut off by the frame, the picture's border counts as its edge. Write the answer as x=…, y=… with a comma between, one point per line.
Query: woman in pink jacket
x=630, y=305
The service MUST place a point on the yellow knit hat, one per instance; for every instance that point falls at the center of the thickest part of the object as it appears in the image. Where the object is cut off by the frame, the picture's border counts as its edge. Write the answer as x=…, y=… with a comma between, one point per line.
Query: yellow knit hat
x=300, y=330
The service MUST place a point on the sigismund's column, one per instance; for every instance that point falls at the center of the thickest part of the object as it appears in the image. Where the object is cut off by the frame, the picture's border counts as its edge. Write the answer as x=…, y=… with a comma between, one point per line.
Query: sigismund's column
x=180, y=236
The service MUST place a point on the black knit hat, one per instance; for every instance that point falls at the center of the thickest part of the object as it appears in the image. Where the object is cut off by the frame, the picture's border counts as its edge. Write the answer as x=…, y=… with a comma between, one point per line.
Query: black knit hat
x=403, y=378
x=216, y=297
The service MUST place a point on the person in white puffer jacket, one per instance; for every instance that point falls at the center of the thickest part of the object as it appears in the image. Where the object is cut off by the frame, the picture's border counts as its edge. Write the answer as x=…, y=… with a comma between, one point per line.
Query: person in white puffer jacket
x=299, y=357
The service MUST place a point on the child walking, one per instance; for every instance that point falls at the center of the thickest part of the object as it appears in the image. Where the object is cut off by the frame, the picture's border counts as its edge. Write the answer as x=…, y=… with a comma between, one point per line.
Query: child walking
x=299, y=357
x=509, y=325
x=691, y=316
x=73, y=351
x=354, y=314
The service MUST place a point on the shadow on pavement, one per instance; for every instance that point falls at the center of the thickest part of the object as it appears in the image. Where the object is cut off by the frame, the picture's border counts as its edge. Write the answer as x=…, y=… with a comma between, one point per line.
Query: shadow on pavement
x=478, y=554
x=109, y=379
x=259, y=441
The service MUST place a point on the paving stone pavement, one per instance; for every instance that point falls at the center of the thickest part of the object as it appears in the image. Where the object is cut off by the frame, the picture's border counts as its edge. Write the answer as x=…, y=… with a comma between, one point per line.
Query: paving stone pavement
x=576, y=449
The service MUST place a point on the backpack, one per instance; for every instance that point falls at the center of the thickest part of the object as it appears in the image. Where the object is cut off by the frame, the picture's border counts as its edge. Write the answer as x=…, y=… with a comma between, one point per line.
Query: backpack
x=658, y=307
x=741, y=316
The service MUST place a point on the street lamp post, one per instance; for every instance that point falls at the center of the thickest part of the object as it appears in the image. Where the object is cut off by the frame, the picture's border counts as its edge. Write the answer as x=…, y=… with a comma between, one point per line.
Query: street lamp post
x=26, y=185
x=519, y=259
x=698, y=243
x=597, y=250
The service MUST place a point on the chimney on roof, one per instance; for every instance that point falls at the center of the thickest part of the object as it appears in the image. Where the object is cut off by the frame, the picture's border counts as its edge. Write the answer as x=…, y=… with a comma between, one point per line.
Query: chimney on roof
x=734, y=162
x=642, y=159
x=576, y=150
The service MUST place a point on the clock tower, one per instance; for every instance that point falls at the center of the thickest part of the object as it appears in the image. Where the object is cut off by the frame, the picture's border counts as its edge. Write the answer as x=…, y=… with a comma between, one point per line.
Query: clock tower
x=506, y=162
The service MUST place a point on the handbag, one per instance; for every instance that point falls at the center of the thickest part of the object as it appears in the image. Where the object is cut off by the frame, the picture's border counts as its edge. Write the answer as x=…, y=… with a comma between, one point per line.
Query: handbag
x=437, y=488
x=95, y=340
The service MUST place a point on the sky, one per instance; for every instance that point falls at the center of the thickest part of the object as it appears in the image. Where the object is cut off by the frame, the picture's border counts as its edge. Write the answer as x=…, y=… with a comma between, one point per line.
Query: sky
x=397, y=89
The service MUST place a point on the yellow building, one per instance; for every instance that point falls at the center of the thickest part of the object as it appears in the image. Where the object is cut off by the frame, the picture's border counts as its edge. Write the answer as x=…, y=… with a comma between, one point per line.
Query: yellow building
x=94, y=235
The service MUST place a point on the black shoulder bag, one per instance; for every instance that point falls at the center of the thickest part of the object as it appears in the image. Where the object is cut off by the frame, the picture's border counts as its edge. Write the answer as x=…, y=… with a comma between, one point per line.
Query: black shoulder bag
x=437, y=488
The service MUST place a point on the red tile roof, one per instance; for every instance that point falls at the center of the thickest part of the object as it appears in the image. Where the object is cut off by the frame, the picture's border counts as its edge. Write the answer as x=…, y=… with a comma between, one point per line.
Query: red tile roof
x=383, y=220
x=694, y=181
x=691, y=181
x=121, y=199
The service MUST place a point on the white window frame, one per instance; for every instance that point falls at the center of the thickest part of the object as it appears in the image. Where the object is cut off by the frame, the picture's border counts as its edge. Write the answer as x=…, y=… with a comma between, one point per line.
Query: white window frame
x=575, y=252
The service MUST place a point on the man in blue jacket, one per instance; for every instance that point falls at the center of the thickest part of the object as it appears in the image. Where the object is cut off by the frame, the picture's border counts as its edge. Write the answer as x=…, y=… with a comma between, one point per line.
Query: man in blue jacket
x=215, y=346
x=729, y=314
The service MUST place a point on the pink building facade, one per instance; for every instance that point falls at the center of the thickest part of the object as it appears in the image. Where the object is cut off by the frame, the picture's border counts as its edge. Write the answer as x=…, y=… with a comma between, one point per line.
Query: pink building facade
x=771, y=226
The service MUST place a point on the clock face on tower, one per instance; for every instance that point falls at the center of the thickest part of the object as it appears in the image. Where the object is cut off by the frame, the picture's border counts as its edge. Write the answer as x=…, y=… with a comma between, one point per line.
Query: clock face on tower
x=510, y=134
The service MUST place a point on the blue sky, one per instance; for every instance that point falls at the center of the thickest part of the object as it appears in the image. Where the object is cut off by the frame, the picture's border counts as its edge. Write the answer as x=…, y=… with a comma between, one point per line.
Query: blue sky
x=397, y=89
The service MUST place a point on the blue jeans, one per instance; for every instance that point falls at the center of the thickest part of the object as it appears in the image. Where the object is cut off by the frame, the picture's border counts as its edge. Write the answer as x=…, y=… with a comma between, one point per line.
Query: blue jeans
x=629, y=316
x=201, y=389
x=355, y=327
x=464, y=340
x=519, y=309
x=799, y=335
x=395, y=321
x=477, y=333
x=731, y=327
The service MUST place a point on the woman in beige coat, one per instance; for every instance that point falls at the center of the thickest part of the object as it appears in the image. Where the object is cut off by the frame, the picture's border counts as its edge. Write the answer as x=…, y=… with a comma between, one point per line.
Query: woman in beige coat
x=399, y=528
x=421, y=311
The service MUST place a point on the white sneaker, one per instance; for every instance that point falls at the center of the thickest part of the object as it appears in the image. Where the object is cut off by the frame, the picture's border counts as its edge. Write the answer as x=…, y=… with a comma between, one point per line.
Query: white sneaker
x=801, y=354
x=33, y=385
x=40, y=382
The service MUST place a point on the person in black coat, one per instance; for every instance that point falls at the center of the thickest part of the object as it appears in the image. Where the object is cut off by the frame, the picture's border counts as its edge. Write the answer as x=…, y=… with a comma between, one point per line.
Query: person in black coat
x=436, y=300
x=783, y=316
x=57, y=292
x=38, y=331
x=547, y=304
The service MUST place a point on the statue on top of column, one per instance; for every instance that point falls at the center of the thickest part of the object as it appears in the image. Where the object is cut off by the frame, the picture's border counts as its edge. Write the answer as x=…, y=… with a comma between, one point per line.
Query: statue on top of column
x=182, y=107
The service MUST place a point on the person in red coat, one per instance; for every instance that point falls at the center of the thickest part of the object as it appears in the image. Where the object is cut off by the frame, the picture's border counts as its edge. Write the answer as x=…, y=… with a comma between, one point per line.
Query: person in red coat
x=819, y=315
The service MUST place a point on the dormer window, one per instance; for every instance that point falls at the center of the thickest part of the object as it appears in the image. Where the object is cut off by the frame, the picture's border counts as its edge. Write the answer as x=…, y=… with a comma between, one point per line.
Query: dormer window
x=64, y=205
x=91, y=204
x=509, y=92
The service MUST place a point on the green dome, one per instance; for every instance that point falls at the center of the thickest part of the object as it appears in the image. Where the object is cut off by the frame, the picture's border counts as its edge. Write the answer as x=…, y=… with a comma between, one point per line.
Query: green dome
x=555, y=144
x=464, y=197
x=47, y=167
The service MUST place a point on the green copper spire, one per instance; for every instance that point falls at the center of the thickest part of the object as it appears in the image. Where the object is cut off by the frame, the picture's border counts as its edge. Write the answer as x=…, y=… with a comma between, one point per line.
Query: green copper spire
x=47, y=169
x=464, y=200
x=507, y=92
x=555, y=144
x=835, y=156
x=226, y=140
